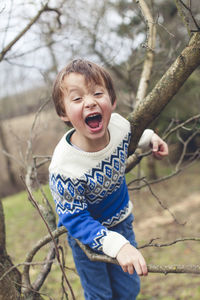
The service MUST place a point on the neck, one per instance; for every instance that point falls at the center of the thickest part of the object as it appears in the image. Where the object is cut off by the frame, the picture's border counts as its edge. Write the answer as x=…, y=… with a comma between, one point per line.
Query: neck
x=89, y=145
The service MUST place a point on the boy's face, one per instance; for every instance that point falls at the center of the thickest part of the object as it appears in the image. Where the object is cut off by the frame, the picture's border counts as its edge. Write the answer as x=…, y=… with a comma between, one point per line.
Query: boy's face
x=88, y=107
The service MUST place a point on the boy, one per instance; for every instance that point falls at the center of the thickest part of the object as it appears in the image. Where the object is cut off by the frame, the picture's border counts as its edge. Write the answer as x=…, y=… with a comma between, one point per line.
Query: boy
x=88, y=184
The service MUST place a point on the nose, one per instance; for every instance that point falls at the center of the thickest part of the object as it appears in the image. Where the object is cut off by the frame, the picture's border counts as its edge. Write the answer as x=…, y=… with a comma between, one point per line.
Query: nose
x=89, y=101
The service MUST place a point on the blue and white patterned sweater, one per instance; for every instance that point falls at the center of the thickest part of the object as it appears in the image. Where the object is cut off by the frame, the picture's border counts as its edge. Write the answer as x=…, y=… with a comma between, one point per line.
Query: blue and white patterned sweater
x=89, y=188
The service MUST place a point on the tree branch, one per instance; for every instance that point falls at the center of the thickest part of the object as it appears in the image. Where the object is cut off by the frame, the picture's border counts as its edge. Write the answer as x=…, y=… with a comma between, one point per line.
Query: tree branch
x=27, y=27
x=18, y=37
x=148, y=63
x=184, y=18
x=133, y=160
x=93, y=256
x=195, y=269
x=191, y=269
x=148, y=109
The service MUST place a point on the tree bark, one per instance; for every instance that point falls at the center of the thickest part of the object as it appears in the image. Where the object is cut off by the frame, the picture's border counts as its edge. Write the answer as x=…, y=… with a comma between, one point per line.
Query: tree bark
x=2, y=230
x=10, y=285
x=11, y=174
x=146, y=72
x=148, y=109
x=148, y=63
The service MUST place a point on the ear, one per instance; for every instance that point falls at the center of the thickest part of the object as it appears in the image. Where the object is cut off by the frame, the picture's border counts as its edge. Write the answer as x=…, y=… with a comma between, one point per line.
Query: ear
x=65, y=118
x=114, y=105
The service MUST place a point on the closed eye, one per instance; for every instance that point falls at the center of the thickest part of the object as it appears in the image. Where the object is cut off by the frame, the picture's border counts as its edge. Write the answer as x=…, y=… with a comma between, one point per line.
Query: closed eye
x=98, y=93
x=76, y=99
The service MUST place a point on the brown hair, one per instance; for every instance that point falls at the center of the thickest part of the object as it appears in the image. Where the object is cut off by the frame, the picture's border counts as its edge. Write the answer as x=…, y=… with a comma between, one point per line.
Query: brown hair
x=90, y=71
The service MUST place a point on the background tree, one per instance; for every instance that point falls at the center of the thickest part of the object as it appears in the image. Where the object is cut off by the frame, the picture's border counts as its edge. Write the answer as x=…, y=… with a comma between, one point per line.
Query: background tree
x=116, y=34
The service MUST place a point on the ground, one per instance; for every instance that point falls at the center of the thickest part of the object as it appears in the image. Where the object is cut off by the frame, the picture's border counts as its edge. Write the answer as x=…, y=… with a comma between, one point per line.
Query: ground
x=181, y=196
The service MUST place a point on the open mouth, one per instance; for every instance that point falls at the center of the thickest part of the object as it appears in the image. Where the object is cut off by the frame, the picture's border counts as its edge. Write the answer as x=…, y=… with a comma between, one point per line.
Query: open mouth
x=94, y=120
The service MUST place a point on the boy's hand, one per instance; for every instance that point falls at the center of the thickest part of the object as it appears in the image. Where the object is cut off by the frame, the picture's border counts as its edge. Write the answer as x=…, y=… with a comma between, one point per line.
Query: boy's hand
x=159, y=147
x=131, y=259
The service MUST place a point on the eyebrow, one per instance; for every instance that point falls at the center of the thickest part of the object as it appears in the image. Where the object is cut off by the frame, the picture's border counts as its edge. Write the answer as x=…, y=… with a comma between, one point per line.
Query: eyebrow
x=77, y=89
x=73, y=90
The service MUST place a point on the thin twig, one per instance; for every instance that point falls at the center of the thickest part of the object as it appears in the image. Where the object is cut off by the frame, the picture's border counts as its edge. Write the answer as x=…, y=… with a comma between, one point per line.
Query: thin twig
x=31, y=135
x=52, y=237
x=26, y=28
x=150, y=244
x=32, y=290
x=193, y=118
x=192, y=16
x=64, y=292
x=161, y=179
x=27, y=264
x=161, y=204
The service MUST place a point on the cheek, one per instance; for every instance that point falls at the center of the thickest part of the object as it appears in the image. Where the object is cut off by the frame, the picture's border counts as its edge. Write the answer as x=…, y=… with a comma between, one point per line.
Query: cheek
x=107, y=105
x=75, y=113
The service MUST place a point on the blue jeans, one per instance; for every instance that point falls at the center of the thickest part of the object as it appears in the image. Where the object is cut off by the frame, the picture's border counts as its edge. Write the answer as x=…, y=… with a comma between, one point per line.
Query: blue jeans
x=106, y=281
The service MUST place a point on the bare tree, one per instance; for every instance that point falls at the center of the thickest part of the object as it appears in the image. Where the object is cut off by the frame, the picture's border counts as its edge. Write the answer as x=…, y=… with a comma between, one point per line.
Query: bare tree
x=147, y=109
x=11, y=283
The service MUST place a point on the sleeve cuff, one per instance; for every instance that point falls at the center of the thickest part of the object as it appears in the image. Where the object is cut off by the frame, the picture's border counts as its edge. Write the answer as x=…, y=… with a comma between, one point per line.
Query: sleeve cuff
x=113, y=242
x=145, y=139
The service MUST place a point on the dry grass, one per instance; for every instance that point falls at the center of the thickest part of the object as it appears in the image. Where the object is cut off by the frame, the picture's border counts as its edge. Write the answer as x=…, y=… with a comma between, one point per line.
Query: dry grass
x=181, y=195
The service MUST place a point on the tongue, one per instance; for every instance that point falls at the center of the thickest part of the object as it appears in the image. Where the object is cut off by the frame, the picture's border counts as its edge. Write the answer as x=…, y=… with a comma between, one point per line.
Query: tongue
x=93, y=123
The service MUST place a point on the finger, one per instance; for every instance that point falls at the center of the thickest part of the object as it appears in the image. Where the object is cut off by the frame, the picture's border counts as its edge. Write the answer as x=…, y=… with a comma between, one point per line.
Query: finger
x=143, y=266
x=125, y=269
x=163, y=149
x=155, y=146
x=138, y=268
x=131, y=269
x=144, y=269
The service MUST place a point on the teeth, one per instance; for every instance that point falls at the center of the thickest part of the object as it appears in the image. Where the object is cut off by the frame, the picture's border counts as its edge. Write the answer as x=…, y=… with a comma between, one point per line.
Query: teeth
x=93, y=115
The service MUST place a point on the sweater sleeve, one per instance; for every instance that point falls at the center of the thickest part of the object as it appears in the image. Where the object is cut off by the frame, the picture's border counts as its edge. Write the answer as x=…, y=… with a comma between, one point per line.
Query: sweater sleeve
x=73, y=213
x=145, y=139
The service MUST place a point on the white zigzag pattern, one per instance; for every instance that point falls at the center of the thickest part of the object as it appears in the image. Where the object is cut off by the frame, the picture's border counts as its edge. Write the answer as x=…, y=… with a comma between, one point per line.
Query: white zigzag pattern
x=115, y=219
x=98, y=241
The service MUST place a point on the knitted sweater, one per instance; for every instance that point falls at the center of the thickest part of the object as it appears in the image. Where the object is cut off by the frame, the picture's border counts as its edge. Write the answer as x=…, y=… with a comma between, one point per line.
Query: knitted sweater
x=89, y=188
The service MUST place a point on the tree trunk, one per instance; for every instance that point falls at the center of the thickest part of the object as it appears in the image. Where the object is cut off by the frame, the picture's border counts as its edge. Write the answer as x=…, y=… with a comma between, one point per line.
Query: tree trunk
x=10, y=285
x=11, y=175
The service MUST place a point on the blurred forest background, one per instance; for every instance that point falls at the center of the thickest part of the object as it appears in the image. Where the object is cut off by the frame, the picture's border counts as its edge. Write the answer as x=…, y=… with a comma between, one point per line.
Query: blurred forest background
x=38, y=38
